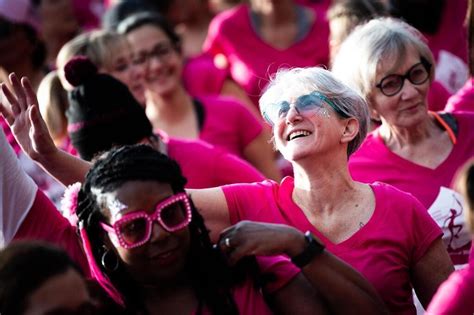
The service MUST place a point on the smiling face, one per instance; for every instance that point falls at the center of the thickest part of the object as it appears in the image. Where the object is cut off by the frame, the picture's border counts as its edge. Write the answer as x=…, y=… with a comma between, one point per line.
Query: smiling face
x=163, y=256
x=163, y=62
x=408, y=107
x=304, y=133
x=123, y=67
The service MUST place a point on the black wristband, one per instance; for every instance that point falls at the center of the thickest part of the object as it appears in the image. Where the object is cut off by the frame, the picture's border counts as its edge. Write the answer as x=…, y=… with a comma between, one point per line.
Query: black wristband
x=313, y=248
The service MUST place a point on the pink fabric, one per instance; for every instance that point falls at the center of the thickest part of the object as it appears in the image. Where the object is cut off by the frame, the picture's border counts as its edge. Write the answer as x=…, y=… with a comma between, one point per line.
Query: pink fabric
x=463, y=100
x=44, y=222
x=452, y=33
x=207, y=166
x=385, y=250
x=449, y=46
x=455, y=295
x=251, y=60
x=438, y=96
x=433, y=187
x=88, y=13
x=251, y=302
x=9, y=135
x=202, y=77
x=228, y=124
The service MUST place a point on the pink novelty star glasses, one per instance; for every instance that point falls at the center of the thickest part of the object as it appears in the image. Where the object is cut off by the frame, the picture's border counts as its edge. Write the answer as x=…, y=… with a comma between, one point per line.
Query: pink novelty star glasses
x=134, y=229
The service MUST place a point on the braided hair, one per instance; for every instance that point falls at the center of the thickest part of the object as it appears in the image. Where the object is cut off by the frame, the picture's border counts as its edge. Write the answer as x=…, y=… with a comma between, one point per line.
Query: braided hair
x=210, y=276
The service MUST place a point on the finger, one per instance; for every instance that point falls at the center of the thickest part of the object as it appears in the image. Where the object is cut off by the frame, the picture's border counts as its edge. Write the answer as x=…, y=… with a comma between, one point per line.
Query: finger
x=5, y=111
x=18, y=89
x=15, y=109
x=31, y=97
x=38, y=126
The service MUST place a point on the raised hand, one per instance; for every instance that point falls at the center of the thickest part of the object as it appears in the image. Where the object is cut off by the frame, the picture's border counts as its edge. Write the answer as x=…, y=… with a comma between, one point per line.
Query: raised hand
x=19, y=106
x=265, y=239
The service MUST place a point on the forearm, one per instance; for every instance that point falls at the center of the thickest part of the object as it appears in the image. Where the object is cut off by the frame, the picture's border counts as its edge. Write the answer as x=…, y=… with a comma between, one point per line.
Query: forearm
x=344, y=289
x=65, y=167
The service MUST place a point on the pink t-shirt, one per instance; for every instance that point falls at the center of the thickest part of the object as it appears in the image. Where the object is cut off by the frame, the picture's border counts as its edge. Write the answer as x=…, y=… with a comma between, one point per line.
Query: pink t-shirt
x=44, y=222
x=228, y=124
x=438, y=96
x=251, y=60
x=206, y=166
x=202, y=77
x=385, y=250
x=456, y=295
x=463, y=100
x=433, y=187
x=449, y=46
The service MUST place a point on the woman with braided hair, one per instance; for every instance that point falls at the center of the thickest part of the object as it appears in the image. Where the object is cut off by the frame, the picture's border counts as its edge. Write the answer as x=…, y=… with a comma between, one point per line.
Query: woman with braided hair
x=142, y=239
x=147, y=266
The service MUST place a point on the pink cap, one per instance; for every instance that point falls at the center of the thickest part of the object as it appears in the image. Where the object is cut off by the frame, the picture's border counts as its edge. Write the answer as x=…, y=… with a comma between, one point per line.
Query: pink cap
x=19, y=11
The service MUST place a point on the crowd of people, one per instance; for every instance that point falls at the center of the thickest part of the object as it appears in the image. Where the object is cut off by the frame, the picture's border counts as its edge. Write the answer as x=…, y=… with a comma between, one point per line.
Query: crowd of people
x=236, y=157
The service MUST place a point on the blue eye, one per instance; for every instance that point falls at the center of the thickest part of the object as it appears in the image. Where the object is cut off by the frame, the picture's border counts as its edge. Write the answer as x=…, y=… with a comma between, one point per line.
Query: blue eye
x=283, y=109
x=307, y=102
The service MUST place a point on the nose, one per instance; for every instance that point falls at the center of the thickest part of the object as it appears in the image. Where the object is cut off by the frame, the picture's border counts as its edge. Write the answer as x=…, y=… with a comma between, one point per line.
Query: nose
x=158, y=233
x=292, y=115
x=409, y=90
x=138, y=71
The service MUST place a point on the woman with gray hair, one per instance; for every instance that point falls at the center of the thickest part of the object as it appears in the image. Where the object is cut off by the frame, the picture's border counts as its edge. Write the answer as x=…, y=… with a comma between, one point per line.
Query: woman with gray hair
x=315, y=127
x=414, y=149
x=383, y=233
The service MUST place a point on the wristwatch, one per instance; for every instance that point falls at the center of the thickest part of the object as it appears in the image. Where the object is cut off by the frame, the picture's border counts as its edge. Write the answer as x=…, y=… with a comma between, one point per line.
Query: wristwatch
x=313, y=248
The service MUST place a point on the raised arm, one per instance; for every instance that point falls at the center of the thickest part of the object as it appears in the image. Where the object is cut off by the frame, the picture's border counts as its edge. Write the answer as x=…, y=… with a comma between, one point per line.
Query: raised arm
x=20, y=109
x=342, y=289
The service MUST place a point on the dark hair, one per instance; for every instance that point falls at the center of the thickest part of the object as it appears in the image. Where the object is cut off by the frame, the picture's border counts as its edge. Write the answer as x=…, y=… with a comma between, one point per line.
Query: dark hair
x=121, y=10
x=424, y=15
x=147, y=18
x=24, y=267
x=210, y=276
x=102, y=111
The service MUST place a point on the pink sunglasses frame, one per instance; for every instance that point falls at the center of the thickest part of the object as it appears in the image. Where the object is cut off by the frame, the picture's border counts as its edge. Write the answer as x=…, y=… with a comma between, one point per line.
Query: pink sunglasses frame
x=150, y=218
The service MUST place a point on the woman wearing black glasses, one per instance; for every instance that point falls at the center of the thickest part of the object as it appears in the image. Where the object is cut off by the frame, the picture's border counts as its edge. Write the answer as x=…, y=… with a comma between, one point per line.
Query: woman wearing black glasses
x=317, y=122
x=414, y=149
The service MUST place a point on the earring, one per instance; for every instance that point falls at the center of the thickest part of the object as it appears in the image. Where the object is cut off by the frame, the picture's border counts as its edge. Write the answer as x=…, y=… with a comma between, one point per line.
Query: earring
x=109, y=260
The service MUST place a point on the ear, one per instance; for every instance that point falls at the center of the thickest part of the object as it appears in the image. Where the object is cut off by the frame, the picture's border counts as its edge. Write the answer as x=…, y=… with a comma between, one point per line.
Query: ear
x=351, y=129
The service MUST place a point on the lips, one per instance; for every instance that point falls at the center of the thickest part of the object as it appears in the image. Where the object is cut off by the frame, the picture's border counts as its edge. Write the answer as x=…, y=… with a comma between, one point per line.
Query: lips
x=165, y=257
x=297, y=134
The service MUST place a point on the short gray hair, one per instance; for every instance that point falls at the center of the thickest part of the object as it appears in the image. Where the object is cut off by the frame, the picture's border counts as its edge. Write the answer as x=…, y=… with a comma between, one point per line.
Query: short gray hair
x=364, y=49
x=287, y=82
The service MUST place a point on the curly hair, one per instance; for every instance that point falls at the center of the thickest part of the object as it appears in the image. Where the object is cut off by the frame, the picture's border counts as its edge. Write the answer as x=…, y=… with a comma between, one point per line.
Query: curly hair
x=210, y=276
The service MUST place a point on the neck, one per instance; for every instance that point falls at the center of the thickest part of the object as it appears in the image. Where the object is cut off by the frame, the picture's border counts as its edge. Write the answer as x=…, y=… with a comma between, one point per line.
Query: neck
x=274, y=13
x=399, y=138
x=317, y=179
x=169, y=107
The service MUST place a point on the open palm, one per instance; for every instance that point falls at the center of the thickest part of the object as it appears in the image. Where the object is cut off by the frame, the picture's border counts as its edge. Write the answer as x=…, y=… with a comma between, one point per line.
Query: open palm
x=19, y=106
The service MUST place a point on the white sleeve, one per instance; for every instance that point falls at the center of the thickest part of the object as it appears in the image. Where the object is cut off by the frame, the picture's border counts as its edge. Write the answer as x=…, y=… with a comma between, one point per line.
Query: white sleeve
x=17, y=192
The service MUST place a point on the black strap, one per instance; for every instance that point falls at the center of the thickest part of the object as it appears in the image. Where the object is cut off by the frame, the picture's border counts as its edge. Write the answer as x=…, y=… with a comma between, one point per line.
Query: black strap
x=200, y=113
x=451, y=121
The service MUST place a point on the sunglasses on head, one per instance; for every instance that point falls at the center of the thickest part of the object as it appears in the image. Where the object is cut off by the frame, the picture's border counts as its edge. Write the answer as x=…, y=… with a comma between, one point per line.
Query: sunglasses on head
x=418, y=74
x=304, y=104
x=134, y=229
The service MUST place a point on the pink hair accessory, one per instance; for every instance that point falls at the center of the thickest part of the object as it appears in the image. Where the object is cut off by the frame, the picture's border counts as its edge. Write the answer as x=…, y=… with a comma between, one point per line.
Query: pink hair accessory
x=69, y=203
x=96, y=273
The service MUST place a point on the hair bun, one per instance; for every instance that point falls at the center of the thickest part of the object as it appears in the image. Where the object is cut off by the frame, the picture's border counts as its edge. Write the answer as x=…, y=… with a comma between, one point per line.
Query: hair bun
x=78, y=70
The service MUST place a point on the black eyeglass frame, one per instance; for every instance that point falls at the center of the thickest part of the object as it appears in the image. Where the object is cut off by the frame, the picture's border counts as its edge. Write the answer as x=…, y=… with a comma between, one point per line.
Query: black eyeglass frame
x=425, y=63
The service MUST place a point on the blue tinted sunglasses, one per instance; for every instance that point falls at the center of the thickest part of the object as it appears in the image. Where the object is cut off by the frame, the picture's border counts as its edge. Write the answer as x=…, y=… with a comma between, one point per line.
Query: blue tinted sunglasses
x=303, y=104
